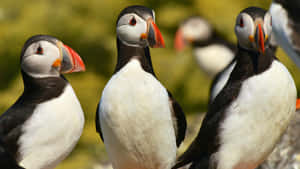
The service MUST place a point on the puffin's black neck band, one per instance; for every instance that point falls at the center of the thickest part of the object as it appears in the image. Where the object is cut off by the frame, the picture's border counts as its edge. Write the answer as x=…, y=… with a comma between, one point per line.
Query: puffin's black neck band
x=38, y=90
x=126, y=53
x=253, y=62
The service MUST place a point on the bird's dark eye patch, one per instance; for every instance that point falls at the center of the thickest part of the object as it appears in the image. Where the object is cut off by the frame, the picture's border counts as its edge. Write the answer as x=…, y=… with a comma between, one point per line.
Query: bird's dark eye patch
x=132, y=21
x=39, y=50
x=241, y=22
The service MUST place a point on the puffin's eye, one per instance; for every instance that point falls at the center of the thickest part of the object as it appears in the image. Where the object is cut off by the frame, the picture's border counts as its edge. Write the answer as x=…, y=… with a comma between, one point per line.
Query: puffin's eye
x=132, y=21
x=39, y=50
x=241, y=22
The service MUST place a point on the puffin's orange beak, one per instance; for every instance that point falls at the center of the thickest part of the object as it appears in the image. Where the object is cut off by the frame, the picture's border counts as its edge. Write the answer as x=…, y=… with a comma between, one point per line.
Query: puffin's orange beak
x=260, y=38
x=153, y=35
x=71, y=61
x=179, y=43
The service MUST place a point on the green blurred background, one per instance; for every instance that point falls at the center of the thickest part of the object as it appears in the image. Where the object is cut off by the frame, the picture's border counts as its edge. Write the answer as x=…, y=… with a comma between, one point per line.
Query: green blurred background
x=89, y=28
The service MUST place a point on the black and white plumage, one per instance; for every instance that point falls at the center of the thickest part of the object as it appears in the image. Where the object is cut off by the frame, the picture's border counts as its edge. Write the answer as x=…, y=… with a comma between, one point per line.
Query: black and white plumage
x=139, y=121
x=248, y=117
x=45, y=123
x=222, y=77
x=286, y=26
x=213, y=53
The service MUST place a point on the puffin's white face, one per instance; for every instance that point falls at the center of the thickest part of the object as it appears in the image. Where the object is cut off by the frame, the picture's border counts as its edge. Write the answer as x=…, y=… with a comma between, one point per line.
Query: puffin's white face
x=253, y=34
x=46, y=56
x=42, y=59
x=194, y=29
x=130, y=28
x=134, y=30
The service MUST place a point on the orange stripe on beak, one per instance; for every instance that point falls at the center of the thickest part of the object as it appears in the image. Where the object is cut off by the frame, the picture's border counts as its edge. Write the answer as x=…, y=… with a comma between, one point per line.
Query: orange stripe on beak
x=261, y=39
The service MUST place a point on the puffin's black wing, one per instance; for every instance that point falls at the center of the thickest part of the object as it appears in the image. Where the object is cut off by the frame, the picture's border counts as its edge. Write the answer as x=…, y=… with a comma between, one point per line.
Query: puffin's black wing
x=6, y=159
x=10, y=130
x=98, y=126
x=207, y=141
x=204, y=144
x=179, y=120
x=216, y=80
x=11, y=123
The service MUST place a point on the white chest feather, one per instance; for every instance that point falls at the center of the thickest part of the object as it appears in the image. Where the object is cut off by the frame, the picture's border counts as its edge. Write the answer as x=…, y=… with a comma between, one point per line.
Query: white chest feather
x=213, y=58
x=52, y=131
x=282, y=31
x=222, y=81
x=257, y=119
x=136, y=120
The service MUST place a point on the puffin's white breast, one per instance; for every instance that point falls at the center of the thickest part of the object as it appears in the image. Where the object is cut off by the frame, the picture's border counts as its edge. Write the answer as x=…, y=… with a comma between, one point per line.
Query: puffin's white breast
x=257, y=118
x=52, y=131
x=213, y=58
x=136, y=120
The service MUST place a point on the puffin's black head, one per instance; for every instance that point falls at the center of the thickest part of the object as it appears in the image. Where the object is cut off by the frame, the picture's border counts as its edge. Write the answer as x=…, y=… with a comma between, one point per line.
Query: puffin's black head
x=136, y=27
x=193, y=29
x=253, y=28
x=46, y=56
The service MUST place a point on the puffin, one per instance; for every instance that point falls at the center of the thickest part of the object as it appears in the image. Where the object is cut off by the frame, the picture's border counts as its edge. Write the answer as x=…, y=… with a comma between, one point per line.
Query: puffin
x=250, y=114
x=213, y=53
x=43, y=126
x=137, y=118
x=286, y=26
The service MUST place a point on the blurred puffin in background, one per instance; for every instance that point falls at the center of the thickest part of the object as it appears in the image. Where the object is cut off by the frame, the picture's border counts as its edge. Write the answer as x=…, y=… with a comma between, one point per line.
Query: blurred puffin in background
x=139, y=121
x=249, y=115
x=213, y=53
x=43, y=126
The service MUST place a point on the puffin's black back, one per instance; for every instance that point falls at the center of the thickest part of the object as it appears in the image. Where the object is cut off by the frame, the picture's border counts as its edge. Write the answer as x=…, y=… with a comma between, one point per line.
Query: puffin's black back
x=36, y=91
x=216, y=80
x=6, y=159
